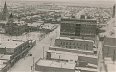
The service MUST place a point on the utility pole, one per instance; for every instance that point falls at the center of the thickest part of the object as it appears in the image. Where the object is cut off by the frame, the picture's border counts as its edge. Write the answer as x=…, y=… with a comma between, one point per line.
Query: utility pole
x=43, y=52
x=33, y=64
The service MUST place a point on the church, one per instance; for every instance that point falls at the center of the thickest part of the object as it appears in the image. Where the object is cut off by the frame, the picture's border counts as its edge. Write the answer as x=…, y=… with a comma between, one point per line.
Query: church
x=11, y=25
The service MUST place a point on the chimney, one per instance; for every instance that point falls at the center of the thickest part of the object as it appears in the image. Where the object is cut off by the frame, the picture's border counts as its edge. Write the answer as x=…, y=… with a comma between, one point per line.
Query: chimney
x=113, y=15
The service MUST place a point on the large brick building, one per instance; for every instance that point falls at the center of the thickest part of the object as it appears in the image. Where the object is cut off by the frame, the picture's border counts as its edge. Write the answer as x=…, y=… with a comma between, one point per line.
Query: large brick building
x=80, y=44
x=78, y=27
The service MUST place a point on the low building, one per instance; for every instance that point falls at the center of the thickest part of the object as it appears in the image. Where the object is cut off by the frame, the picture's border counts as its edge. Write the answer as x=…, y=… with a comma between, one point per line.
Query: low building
x=56, y=48
x=16, y=28
x=62, y=56
x=4, y=62
x=80, y=44
x=34, y=26
x=54, y=66
x=71, y=57
x=109, y=48
x=13, y=47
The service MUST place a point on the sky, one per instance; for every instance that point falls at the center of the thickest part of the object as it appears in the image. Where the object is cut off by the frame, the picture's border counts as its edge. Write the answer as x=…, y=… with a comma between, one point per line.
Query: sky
x=97, y=2
x=61, y=0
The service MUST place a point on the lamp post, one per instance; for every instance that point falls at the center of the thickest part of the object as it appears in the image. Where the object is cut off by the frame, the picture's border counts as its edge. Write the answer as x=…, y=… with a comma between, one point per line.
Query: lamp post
x=33, y=66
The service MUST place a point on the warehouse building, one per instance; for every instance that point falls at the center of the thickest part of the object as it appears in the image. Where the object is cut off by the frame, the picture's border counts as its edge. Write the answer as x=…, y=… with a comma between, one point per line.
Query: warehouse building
x=13, y=47
x=56, y=48
x=80, y=44
x=71, y=57
x=54, y=66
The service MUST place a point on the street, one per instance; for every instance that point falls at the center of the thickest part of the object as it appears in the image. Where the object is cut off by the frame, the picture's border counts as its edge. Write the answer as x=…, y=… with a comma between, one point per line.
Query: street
x=24, y=64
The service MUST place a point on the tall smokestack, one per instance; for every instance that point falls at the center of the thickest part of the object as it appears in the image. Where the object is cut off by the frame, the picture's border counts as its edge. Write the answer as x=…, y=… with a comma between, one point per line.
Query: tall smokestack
x=113, y=15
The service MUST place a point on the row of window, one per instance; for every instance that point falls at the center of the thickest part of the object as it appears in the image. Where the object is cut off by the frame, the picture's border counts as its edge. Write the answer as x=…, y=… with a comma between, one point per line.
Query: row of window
x=74, y=47
x=70, y=43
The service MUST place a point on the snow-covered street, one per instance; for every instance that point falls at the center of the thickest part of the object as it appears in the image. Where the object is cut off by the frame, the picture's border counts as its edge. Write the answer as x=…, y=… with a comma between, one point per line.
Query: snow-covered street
x=24, y=64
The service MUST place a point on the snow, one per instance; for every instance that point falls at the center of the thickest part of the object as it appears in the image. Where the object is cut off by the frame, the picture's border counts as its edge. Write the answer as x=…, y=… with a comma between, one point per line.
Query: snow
x=24, y=64
x=50, y=63
x=10, y=44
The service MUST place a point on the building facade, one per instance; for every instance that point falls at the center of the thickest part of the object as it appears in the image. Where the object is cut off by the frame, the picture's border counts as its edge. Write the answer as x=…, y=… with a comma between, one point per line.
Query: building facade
x=109, y=48
x=80, y=44
x=13, y=47
x=78, y=27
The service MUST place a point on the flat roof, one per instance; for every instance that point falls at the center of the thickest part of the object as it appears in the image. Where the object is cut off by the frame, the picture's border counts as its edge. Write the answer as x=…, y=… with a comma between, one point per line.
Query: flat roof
x=35, y=24
x=63, y=55
x=48, y=26
x=56, y=64
x=2, y=66
x=75, y=54
x=87, y=69
x=70, y=49
x=5, y=57
x=75, y=39
x=10, y=44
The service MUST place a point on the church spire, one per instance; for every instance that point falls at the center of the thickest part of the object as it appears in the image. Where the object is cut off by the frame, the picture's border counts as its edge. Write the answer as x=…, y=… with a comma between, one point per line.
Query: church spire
x=5, y=12
x=10, y=18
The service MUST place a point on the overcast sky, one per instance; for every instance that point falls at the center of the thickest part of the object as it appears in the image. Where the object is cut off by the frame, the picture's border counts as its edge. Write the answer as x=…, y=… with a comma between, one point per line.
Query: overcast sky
x=60, y=0
x=100, y=2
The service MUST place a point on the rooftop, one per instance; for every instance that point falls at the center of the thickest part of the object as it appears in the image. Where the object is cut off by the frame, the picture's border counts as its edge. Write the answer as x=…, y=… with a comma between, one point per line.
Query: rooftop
x=10, y=44
x=56, y=47
x=2, y=66
x=67, y=38
x=110, y=33
x=79, y=21
x=48, y=26
x=63, y=55
x=111, y=29
x=35, y=24
x=71, y=54
x=110, y=42
x=56, y=64
x=5, y=57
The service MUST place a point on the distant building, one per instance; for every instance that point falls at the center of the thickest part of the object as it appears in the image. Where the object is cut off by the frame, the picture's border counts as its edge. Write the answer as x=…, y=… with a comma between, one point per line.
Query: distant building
x=78, y=27
x=79, y=44
x=14, y=27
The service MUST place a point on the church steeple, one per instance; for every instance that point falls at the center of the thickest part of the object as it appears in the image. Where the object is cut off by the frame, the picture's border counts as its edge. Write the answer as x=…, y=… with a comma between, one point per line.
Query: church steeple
x=5, y=12
x=10, y=19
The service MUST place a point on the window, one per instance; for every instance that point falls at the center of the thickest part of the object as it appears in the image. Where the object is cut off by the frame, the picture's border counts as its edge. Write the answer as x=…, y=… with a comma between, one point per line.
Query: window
x=77, y=44
x=66, y=43
x=66, y=46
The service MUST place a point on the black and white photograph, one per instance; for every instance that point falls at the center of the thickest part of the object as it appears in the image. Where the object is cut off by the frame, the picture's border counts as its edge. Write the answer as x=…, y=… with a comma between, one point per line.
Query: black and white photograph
x=57, y=36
